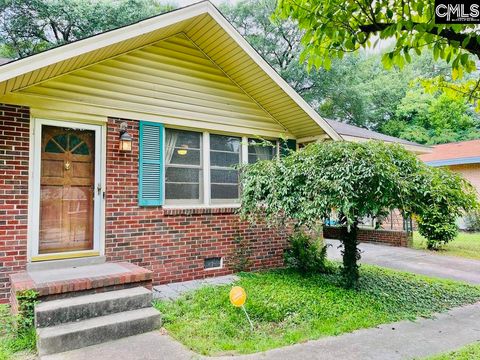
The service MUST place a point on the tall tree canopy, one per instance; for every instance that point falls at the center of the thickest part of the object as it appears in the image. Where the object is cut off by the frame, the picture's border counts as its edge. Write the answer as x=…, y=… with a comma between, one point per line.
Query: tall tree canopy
x=357, y=89
x=30, y=26
x=333, y=28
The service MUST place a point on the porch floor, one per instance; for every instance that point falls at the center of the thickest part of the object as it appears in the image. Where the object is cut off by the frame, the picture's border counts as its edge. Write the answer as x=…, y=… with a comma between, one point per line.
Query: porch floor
x=79, y=280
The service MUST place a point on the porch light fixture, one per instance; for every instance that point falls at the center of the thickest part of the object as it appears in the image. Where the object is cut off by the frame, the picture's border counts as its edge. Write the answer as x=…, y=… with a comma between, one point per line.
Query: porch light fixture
x=125, y=138
x=183, y=150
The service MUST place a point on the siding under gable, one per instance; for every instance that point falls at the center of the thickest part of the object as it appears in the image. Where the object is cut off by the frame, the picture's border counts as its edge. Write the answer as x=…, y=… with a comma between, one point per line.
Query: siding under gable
x=171, y=81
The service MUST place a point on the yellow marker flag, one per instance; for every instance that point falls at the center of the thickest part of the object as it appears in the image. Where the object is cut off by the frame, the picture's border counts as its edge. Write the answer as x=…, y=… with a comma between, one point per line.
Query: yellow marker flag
x=238, y=296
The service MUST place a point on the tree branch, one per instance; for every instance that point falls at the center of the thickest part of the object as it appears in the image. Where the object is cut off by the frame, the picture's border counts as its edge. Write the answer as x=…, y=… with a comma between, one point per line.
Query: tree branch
x=472, y=46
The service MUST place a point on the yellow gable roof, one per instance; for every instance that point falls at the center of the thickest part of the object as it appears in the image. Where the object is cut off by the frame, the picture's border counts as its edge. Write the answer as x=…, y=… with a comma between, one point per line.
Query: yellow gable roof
x=214, y=36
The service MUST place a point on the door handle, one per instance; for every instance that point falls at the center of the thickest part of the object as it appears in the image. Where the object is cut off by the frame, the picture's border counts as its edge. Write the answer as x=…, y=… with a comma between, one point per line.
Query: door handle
x=99, y=188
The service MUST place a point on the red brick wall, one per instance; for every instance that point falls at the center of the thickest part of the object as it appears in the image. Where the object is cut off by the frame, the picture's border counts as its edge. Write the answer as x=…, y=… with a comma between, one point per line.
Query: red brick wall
x=14, y=138
x=384, y=237
x=173, y=243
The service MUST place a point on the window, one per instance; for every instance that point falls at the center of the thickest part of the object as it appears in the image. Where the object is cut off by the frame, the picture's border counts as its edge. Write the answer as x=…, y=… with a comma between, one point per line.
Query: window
x=261, y=150
x=225, y=153
x=212, y=263
x=183, y=167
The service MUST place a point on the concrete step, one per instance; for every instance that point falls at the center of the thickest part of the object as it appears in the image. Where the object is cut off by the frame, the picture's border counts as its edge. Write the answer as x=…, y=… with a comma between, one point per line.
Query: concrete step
x=55, y=312
x=76, y=335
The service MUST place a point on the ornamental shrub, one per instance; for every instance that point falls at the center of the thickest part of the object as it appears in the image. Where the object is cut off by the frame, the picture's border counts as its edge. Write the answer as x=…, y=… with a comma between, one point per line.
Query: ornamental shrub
x=355, y=180
x=306, y=254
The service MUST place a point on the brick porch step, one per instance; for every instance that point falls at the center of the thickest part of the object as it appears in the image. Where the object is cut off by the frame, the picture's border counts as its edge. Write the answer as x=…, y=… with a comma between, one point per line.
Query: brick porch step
x=81, y=280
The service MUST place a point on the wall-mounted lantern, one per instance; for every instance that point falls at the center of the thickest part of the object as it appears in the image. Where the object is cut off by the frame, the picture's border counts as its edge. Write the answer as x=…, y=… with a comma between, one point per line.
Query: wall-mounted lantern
x=125, y=138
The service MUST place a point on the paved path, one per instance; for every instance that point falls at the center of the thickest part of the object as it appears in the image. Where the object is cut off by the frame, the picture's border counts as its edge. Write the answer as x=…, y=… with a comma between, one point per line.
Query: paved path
x=174, y=290
x=416, y=261
x=397, y=341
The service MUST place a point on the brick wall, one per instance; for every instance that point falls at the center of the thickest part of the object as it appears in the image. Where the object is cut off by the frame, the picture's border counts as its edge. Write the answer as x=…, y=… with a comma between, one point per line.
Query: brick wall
x=14, y=138
x=384, y=237
x=174, y=243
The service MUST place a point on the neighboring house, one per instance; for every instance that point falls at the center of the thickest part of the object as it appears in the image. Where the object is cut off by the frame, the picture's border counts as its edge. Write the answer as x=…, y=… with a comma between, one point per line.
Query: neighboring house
x=358, y=134
x=460, y=157
x=120, y=147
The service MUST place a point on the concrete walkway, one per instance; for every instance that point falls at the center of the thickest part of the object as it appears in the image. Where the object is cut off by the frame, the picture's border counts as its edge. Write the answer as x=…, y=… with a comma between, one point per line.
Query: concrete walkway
x=397, y=341
x=415, y=261
x=174, y=290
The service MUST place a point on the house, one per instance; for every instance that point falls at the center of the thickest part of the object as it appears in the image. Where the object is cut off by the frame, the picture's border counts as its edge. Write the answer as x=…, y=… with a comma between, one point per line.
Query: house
x=118, y=149
x=357, y=134
x=460, y=157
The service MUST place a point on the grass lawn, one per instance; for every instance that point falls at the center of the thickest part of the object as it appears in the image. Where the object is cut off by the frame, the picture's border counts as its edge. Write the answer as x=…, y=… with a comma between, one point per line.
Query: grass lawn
x=469, y=352
x=287, y=308
x=14, y=345
x=465, y=245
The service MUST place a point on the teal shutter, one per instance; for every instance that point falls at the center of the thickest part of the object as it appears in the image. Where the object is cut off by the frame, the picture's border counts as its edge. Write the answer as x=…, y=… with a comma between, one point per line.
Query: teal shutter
x=150, y=172
x=287, y=146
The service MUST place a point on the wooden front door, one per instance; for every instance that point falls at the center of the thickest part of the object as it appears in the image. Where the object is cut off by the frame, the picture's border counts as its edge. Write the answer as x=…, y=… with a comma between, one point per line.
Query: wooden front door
x=67, y=190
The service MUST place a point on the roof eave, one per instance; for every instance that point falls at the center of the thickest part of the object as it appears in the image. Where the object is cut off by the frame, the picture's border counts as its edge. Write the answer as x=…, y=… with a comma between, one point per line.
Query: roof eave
x=417, y=149
x=457, y=161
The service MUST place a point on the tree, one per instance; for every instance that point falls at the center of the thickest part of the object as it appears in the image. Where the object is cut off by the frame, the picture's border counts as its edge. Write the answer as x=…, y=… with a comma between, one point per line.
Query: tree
x=277, y=42
x=433, y=119
x=30, y=26
x=333, y=28
x=355, y=180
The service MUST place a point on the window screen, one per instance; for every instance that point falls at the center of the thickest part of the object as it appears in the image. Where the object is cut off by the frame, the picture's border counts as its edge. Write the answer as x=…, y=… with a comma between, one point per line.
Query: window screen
x=261, y=150
x=212, y=263
x=183, y=167
x=225, y=153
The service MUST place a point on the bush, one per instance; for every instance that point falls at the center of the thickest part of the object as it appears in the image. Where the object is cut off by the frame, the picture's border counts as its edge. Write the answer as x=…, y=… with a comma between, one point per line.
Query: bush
x=306, y=254
x=437, y=228
x=17, y=333
x=26, y=310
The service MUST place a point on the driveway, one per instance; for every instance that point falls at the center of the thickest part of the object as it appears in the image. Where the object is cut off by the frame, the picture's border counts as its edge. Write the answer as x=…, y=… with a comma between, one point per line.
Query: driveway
x=416, y=261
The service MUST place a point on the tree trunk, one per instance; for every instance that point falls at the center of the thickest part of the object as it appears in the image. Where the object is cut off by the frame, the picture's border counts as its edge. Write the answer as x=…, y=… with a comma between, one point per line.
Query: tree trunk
x=351, y=255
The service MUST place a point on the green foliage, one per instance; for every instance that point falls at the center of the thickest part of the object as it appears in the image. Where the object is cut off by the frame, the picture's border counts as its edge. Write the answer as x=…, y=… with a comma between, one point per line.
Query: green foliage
x=15, y=334
x=356, y=180
x=469, y=352
x=30, y=26
x=333, y=28
x=433, y=119
x=307, y=254
x=287, y=307
x=26, y=309
x=447, y=197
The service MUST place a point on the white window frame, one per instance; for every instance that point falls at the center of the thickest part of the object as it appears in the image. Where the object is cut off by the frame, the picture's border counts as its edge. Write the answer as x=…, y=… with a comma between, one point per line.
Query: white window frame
x=215, y=268
x=206, y=169
x=185, y=202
